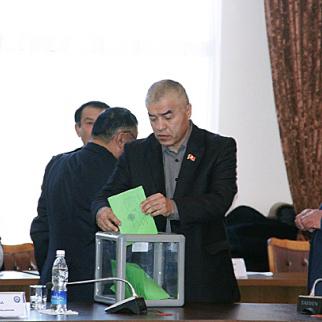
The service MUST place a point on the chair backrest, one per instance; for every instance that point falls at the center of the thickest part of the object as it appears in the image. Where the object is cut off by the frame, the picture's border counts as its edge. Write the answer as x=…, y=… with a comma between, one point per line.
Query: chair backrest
x=286, y=255
x=19, y=257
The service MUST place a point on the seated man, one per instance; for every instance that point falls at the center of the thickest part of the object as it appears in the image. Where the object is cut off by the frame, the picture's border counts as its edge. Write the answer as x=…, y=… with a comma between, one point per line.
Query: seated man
x=70, y=183
x=310, y=220
x=189, y=177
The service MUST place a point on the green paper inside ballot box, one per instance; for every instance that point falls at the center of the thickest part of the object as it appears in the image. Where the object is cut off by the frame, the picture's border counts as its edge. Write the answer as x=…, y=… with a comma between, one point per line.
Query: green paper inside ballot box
x=143, y=284
x=126, y=207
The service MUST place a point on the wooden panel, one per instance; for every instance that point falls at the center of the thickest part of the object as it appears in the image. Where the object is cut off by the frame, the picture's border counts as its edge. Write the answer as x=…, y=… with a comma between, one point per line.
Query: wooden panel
x=279, y=288
x=12, y=281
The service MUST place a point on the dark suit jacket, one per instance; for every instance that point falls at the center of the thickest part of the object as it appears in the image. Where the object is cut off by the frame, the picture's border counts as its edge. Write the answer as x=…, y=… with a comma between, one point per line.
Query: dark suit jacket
x=205, y=190
x=248, y=231
x=315, y=261
x=64, y=220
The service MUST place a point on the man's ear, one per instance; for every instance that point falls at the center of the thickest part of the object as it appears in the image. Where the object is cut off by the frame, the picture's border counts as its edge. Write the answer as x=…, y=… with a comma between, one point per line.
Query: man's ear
x=189, y=110
x=77, y=129
x=120, y=140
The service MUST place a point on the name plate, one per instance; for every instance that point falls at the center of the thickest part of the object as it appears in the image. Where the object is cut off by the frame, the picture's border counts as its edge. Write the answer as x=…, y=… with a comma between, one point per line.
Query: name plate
x=239, y=267
x=12, y=304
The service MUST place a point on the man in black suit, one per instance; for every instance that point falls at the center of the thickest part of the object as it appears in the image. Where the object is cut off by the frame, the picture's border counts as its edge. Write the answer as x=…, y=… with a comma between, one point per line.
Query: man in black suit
x=189, y=177
x=84, y=116
x=70, y=183
x=310, y=220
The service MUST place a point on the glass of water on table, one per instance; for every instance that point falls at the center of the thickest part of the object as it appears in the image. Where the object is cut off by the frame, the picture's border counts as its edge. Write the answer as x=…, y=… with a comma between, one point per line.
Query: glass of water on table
x=38, y=297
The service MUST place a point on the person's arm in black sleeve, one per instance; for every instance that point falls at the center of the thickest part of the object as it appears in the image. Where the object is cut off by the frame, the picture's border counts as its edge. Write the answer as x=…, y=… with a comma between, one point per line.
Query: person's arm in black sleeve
x=118, y=182
x=39, y=230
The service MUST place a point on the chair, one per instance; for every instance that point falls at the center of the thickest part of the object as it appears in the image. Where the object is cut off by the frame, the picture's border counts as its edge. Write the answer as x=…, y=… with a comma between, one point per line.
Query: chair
x=19, y=257
x=285, y=255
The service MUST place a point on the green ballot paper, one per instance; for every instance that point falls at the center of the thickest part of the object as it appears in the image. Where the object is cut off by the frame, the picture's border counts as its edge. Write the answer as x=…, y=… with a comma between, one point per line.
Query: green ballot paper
x=143, y=284
x=126, y=207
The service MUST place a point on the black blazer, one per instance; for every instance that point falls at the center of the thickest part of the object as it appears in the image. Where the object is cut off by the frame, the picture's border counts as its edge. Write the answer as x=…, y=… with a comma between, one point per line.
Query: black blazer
x=64, y=220
x=315, y=261
x=205, y=190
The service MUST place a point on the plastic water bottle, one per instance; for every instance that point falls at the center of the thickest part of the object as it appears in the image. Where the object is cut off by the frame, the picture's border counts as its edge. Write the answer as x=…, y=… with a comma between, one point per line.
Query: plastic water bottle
x=59, y=280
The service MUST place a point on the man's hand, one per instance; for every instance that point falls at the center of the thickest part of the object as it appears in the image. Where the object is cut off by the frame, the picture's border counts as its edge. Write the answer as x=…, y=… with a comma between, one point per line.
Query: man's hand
x=106, y=220
x=309, y=219
x=158, y=204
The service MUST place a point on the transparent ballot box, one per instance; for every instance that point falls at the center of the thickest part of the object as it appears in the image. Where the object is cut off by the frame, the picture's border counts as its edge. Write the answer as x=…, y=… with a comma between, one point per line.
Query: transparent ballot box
x=153, y=264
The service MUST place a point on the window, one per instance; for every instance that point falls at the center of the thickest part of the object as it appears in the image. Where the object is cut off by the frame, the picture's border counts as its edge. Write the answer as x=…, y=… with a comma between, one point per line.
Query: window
x=57, y=55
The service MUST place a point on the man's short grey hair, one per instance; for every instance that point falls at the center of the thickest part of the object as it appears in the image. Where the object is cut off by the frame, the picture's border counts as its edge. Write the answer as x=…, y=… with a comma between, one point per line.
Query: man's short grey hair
x=159, y=89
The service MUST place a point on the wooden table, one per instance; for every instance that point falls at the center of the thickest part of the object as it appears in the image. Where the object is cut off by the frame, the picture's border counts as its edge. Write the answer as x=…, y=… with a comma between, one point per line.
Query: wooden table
x=205, y=312
x=279, y=288
x=17, y=281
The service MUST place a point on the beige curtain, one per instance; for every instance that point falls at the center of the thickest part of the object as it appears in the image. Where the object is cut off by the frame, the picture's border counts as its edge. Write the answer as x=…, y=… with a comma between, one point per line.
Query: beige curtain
x=294, y=36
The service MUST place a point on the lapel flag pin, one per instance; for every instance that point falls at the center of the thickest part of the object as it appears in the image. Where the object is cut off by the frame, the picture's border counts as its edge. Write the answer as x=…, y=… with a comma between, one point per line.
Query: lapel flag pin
x=191, y=157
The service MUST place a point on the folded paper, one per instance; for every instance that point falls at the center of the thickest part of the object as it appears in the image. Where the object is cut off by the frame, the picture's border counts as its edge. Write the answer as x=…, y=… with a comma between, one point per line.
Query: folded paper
x=126, y=207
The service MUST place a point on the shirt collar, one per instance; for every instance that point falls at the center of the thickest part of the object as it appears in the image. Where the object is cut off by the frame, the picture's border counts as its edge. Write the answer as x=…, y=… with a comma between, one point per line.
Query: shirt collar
x=184, y=143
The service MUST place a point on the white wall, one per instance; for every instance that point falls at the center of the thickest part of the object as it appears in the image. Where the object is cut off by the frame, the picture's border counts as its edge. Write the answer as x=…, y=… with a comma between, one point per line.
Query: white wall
x=247, y=110
x=56, y=56
x=45, y=65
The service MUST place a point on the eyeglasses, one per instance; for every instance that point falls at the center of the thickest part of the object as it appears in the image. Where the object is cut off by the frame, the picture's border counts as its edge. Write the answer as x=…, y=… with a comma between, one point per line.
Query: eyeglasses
x=131, y=134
